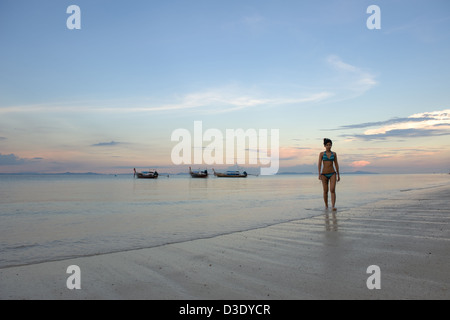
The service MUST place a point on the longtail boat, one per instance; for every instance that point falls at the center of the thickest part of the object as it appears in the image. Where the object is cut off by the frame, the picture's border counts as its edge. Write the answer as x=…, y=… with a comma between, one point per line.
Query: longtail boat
x=146, y=174
x=231, y=174
x=198, y=173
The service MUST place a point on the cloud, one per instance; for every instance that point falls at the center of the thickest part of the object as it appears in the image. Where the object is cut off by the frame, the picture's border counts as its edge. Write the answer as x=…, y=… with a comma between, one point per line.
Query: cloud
x=2, y=138
x=224, y=100
x=403, y=133
x=347, y=82
x=12, y=159
x=379, y=123
x=426, y=124
x=352, y=78
x=359, y=164
x=106, y=144
x=339, y=64
x=211, y=101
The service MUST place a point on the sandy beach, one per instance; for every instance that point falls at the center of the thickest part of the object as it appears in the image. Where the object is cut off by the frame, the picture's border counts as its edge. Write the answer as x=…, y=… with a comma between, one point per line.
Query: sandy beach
x=324, y=257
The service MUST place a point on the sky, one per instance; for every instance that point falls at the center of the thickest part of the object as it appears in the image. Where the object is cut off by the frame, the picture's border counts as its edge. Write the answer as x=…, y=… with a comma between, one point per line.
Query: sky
x=107, y=97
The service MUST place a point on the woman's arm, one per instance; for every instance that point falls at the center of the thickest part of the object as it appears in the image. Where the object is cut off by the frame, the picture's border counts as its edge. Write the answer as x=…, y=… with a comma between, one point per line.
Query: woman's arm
x=336, y=164
x=319, y=165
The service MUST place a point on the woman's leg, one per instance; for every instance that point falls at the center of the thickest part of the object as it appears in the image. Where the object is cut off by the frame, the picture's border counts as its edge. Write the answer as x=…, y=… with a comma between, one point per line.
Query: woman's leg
x=333, y=191
x=325, y=190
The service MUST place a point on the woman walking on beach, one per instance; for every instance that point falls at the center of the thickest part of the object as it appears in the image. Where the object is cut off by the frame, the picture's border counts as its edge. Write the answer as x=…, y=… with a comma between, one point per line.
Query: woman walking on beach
x=330, y=174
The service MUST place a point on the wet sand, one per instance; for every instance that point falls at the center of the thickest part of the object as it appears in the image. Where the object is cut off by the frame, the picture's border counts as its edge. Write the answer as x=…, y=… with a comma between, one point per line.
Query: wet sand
x=325, y=257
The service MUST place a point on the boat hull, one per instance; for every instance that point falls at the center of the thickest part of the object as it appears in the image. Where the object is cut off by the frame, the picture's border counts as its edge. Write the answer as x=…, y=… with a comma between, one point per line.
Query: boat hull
x=198, y=174
x=194, y=175
x=231, y=175
x=146, y=176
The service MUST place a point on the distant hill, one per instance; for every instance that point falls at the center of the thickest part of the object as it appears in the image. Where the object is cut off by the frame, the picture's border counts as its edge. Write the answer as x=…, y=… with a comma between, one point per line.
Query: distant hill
x=166, y=174
x=282, y=173
x=360, y=172
x=354, y=172
x=52, y=174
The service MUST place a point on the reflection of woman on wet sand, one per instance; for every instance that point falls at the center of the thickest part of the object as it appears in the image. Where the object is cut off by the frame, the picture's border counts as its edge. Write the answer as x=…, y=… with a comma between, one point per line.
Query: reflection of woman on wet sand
x=329, y=173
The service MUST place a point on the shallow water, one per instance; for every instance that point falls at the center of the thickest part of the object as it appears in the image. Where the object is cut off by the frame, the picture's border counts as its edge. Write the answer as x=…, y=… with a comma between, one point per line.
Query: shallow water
x=52, y=217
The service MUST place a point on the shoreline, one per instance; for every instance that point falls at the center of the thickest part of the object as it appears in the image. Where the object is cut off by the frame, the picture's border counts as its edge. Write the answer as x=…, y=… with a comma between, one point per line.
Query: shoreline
x=212, y=236
x=323, y=257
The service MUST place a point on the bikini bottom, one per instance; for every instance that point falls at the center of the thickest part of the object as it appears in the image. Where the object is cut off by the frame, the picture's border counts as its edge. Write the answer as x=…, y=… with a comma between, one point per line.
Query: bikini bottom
x=329, y=175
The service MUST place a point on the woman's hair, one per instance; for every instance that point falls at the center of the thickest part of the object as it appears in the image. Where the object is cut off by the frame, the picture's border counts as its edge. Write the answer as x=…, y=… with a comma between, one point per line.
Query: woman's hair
x=326, y=140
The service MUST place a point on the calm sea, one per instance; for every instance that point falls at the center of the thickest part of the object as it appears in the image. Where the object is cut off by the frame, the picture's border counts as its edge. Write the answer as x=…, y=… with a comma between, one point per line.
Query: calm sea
x=52, y=217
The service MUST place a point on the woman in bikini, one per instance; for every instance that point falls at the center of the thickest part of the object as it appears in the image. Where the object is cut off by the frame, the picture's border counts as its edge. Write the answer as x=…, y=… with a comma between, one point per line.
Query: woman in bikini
x=329, y=173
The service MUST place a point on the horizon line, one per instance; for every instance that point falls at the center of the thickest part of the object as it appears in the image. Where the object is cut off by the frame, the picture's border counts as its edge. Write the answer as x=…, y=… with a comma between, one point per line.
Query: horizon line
x=187, y=173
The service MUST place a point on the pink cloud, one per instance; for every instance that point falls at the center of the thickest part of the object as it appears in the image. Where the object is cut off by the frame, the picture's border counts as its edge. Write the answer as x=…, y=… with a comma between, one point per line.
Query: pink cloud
x=359, y=164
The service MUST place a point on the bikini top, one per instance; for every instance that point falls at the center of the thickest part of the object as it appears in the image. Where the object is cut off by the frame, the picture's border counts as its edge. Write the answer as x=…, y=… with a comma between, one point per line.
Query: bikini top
x=325, y=157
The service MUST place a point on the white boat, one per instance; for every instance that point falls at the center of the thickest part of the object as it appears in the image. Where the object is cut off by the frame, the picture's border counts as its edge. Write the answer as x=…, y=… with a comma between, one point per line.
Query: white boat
x=151, y=174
